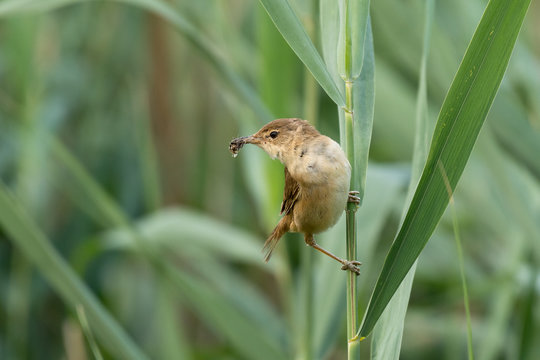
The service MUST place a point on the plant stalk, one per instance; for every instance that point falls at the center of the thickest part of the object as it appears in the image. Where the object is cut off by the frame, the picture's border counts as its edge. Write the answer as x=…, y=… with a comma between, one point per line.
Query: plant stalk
x=352, y=299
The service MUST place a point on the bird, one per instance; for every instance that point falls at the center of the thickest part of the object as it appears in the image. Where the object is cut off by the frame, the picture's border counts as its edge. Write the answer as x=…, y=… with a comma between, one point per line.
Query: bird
x=317, y=180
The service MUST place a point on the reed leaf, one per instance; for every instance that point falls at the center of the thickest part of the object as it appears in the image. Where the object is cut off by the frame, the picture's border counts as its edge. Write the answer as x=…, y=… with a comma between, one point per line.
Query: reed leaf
x=460, y=120
x=293, y=32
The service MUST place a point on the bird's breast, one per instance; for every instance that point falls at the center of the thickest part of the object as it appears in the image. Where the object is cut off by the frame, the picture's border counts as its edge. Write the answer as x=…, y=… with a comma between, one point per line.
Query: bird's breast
x=323, y=174
x=319, y=162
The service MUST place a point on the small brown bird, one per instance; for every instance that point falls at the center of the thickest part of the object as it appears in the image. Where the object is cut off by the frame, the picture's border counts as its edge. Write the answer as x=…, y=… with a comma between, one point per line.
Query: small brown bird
x=317, y=179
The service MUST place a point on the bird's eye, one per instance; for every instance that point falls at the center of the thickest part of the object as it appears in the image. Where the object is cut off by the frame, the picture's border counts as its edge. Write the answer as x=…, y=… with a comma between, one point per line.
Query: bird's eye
x=274, y=134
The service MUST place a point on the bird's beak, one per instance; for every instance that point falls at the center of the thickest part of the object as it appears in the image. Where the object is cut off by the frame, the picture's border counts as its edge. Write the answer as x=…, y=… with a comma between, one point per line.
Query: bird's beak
x=236, y=144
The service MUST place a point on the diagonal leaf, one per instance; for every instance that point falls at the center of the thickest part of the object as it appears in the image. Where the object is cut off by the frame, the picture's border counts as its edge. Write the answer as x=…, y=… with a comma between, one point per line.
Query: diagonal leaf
x=36, y=247
x=460, y=120
x=293, y=32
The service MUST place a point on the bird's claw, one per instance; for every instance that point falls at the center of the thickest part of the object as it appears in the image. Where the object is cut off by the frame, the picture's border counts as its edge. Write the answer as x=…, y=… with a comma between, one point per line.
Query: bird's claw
x=353, y=198
x=352, y=266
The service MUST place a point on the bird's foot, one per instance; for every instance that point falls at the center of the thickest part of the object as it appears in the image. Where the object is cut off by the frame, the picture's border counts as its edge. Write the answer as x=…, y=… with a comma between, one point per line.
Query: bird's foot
x=352, y=266
x=353, y=197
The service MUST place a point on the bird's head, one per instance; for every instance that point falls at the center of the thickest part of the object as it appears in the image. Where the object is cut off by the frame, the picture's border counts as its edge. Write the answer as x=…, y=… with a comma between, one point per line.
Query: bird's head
x=278, y=137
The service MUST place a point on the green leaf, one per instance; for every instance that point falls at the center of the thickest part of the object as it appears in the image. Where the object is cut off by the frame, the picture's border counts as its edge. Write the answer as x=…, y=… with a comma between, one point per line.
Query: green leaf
x=329, y=20
x=364, y=106
x=386, y=341
x=24, y=233
x=460, y=120
x=293, y=32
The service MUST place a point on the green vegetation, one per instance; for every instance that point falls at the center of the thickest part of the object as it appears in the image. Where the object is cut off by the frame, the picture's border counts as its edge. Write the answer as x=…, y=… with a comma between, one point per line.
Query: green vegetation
x=127, y=231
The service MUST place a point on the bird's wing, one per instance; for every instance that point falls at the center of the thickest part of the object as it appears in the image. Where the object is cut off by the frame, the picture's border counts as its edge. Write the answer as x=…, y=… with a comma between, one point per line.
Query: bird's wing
x=290, y=193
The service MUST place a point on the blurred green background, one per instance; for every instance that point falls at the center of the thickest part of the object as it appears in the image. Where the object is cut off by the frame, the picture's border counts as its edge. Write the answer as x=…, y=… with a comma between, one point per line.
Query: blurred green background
x=114, y=132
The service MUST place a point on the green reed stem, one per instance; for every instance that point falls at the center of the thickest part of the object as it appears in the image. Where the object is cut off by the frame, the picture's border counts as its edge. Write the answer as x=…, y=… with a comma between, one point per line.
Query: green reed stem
x=352, y=299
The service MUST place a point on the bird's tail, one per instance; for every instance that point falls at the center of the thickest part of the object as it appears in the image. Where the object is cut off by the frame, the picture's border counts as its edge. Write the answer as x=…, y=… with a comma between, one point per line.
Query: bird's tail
x=269, y=245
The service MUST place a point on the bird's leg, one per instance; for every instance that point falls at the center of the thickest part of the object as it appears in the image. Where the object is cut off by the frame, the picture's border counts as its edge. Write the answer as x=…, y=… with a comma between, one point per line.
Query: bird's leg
x=353, y=197
x=347, y=265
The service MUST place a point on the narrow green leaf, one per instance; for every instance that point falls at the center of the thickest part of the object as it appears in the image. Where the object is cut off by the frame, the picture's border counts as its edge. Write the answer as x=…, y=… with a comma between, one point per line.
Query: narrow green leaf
x=364, y=107
x=37, y=248
x=388, y=333
x=329, y=20
x=461, y=117
x=293, y=32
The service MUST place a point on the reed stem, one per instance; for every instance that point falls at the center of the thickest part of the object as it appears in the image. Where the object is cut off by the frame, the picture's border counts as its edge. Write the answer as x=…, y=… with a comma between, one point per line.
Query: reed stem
x=352, y=299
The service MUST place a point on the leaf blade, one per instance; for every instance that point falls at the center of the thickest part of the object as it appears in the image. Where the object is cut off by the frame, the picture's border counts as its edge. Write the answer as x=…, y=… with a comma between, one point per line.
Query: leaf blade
x=462, y=115
x=293, y=32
